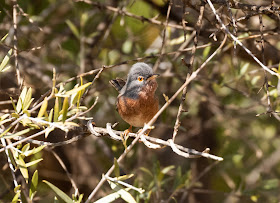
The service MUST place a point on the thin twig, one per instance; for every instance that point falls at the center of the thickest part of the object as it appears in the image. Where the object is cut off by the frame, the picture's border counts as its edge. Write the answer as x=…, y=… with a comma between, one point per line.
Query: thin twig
x=66, y=171
x=163, y=37
x=150, y=123
x=10, y=164
x=189, y=71
x=265, y=85
x=16, y=42
x=141, y=18
x=115, y=180
x=239, y=42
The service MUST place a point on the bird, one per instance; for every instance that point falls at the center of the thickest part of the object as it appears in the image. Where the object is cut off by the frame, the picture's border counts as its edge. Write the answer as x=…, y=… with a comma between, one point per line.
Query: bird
x=137, y=102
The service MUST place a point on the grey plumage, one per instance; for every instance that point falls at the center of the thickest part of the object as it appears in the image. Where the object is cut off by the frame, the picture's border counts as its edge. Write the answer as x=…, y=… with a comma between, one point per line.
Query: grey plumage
x=133, y=86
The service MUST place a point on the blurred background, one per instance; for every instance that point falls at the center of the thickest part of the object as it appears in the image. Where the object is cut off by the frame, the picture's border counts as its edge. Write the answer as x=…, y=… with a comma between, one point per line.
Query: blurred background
x=231, y=107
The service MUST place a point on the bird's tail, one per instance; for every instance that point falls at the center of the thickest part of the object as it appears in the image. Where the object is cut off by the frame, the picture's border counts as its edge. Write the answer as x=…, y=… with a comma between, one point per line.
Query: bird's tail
x=117, y=83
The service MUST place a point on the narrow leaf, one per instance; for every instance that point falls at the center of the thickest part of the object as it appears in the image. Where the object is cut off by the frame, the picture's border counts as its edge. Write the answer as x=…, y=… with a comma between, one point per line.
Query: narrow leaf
x=244, y=68
x=25, y=147
x=126, y=196
x=56, y=109
x=23, y=168
x=75, y=90
x=109, y=198
x=21, y=99
x=3, y=38
x=27, y=99
x=16, y=197
x=5, y=60
x=206, y=52
x=5, y=132
x=13, y=103
x=34, y=150
x=33, y=186
x=60, y=193
x=48, y=131
x=73, y=28
x=65, y=109
x=31, y=163
x=50, y=115
x=43, y=108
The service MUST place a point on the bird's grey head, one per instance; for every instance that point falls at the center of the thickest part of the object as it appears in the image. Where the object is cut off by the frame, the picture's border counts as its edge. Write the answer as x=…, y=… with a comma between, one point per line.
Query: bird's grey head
x=140, y=75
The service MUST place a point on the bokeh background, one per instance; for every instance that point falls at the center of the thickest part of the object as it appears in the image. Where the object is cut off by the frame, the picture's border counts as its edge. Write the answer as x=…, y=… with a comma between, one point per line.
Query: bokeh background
x=231, y=107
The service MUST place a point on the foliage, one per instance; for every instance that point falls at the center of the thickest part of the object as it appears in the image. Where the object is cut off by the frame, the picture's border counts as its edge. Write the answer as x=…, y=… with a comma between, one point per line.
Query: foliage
x=65, y=52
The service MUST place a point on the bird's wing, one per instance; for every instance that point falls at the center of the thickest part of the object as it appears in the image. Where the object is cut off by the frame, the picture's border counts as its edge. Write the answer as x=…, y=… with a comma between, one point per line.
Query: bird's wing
x=117, y=83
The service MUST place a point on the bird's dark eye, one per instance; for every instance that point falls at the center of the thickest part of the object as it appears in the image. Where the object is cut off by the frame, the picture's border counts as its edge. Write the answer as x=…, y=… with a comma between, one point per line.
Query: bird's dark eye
x=140, y=78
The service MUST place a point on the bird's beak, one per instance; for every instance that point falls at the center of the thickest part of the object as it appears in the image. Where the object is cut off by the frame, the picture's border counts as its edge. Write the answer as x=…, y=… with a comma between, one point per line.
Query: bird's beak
x=154, y=76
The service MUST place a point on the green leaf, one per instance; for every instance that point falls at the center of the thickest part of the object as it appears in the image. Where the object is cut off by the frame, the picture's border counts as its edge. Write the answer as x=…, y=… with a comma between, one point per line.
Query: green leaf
x=59, y=192
x=127, y=46
x=255, y=79
x=80, y=198
x=6, y=131
x=84, y=19
x=74, y=97
x=14, y=106
x=50, y=115
x=244, y=68
x=17, y=188
x=80, y=93
x=109, y=198
x=35, y=150
x=167, y=169
x=4, y=116
x=146, y=171
x=3, y=38
x=73, y=28
x=178, y=176
x=206, y=52
x=27, y=100
x=5, y=60
x=16, y=197
x=31, y=163
x=125, y=177
x=43, y=108
x=22, y=167
x=48, y=131
x=5, y=69
x=271, y=184
x=126, y=196
x=56, y=109
x=12, y=158
x=76, y=90
x=21, y=99
x=65, y=109
x=33, y=186
x=25, y=148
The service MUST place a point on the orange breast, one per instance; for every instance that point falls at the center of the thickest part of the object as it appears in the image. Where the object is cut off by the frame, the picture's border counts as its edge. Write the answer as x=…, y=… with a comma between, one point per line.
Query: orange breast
x=137, y=112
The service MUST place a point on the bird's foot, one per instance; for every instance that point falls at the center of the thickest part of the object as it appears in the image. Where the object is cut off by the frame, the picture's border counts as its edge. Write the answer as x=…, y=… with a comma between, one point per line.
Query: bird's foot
x=146, y=133
x=127, y=131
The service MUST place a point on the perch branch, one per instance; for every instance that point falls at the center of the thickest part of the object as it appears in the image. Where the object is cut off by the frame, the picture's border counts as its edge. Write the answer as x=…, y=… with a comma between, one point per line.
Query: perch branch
x=146, y=127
